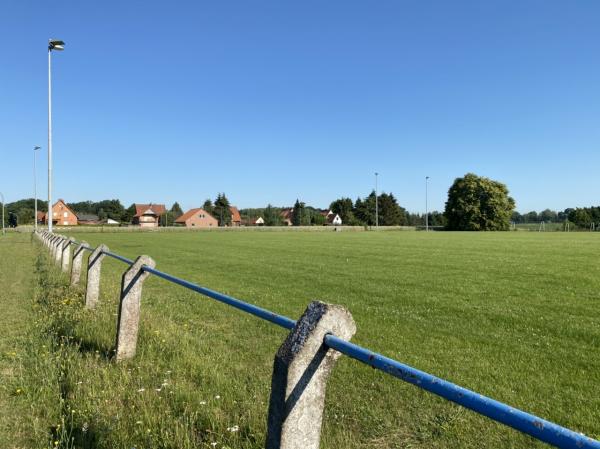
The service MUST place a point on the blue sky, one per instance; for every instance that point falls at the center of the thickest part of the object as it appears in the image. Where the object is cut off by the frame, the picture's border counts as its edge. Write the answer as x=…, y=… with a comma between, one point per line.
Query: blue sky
x=270, y=101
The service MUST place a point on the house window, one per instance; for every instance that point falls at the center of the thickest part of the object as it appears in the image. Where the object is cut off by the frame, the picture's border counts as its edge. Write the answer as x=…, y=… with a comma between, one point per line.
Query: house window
x=65, y=223
x=66, y=214
x=54, y=214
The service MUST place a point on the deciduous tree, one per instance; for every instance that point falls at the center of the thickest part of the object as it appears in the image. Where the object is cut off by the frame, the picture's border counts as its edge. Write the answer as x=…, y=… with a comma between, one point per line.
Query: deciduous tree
x=478, y=204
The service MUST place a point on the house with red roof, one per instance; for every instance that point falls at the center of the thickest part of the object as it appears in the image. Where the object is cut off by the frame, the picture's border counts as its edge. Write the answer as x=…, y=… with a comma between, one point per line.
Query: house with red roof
x=148, y=215
x=197, y=218
x=236, y=219
x=287, y=215
x=62, y=215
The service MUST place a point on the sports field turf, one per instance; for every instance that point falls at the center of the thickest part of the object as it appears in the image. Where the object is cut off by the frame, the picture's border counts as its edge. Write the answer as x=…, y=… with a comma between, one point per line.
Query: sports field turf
x=510, y=315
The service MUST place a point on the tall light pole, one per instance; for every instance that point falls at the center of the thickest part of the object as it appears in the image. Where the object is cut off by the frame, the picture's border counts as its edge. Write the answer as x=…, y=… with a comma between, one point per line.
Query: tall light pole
x=376, y=203
x=53, y=44
x=35, y=220
x=3, y=231
x=426, y=209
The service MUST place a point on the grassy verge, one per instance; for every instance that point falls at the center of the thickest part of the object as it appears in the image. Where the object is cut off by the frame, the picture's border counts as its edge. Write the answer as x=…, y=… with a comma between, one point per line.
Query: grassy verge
x=29, y=362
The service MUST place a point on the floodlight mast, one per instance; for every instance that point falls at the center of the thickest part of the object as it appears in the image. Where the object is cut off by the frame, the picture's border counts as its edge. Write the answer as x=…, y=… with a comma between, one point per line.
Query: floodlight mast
x=53, y=44
x=376, y=204
x=3, y=201
x=426, y=208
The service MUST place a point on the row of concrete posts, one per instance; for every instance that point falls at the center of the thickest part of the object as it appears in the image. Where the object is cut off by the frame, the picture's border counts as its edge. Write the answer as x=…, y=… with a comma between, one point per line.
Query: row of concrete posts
x=302, y=364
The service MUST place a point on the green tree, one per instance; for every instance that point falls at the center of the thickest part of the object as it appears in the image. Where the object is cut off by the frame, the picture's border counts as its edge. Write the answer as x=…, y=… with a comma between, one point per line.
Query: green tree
x=13, y=220
x=127, y=216
x=364, y=210
x=208, y=206
x=272, y=216
x=221, y=210
x=478, y=204
x=531, y=217
x=345, y=209
x=176, y=211
x=298, y=213
x=581, y=217
x=24, y=210
x=548, y=215
x=317, y=218
x=390, y=212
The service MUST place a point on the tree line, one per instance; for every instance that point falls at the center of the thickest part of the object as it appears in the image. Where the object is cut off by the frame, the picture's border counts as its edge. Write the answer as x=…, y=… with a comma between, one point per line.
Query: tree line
x=474, y=203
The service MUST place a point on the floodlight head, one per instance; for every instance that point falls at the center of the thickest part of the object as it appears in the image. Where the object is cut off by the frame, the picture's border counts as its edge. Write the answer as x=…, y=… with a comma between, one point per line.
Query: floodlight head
x=36, y=148
x=55, y=44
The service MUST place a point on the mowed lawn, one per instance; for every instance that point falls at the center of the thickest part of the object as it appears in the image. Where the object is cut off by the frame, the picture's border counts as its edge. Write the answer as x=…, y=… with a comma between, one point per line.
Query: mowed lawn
x=510, y=315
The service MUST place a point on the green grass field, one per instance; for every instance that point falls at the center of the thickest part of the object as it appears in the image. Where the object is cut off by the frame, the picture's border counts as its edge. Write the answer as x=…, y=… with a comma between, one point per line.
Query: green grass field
x=510, y=315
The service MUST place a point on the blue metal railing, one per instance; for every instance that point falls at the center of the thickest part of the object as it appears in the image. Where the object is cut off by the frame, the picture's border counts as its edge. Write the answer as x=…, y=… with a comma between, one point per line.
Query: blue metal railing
x=529, y=424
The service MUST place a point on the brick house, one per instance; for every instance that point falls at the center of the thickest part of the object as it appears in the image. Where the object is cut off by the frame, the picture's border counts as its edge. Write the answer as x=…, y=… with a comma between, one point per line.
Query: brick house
x=286, y=216
x=236, y=219
x=148, y=215
x=197, y=218
x=62, y=215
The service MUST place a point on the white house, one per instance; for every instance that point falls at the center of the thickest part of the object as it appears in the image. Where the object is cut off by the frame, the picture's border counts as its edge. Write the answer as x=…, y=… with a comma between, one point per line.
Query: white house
x=334, y=219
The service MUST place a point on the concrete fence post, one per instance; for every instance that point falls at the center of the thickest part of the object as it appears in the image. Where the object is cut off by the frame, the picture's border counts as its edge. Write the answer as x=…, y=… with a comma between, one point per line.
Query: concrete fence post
x=129, y=307
x=300, y=372
x=55, y=247
x=58, y=251
x=77, y=262
x=66, y=251
x=92, y=291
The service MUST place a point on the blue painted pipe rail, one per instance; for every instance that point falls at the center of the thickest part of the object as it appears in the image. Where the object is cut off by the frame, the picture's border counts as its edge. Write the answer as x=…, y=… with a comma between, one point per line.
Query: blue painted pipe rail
x=259, y=312
x=116, y=256
x=529, y=424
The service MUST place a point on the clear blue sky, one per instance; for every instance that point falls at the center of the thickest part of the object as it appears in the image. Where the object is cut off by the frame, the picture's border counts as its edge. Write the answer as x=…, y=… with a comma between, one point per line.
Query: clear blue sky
x=270, y=101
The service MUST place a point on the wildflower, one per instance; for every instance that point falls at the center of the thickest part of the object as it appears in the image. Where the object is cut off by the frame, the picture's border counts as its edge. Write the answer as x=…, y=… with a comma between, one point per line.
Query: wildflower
x=217, y=397
x=138, y=422
x=233, y=429
x=141, y=390
x=202, y=402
